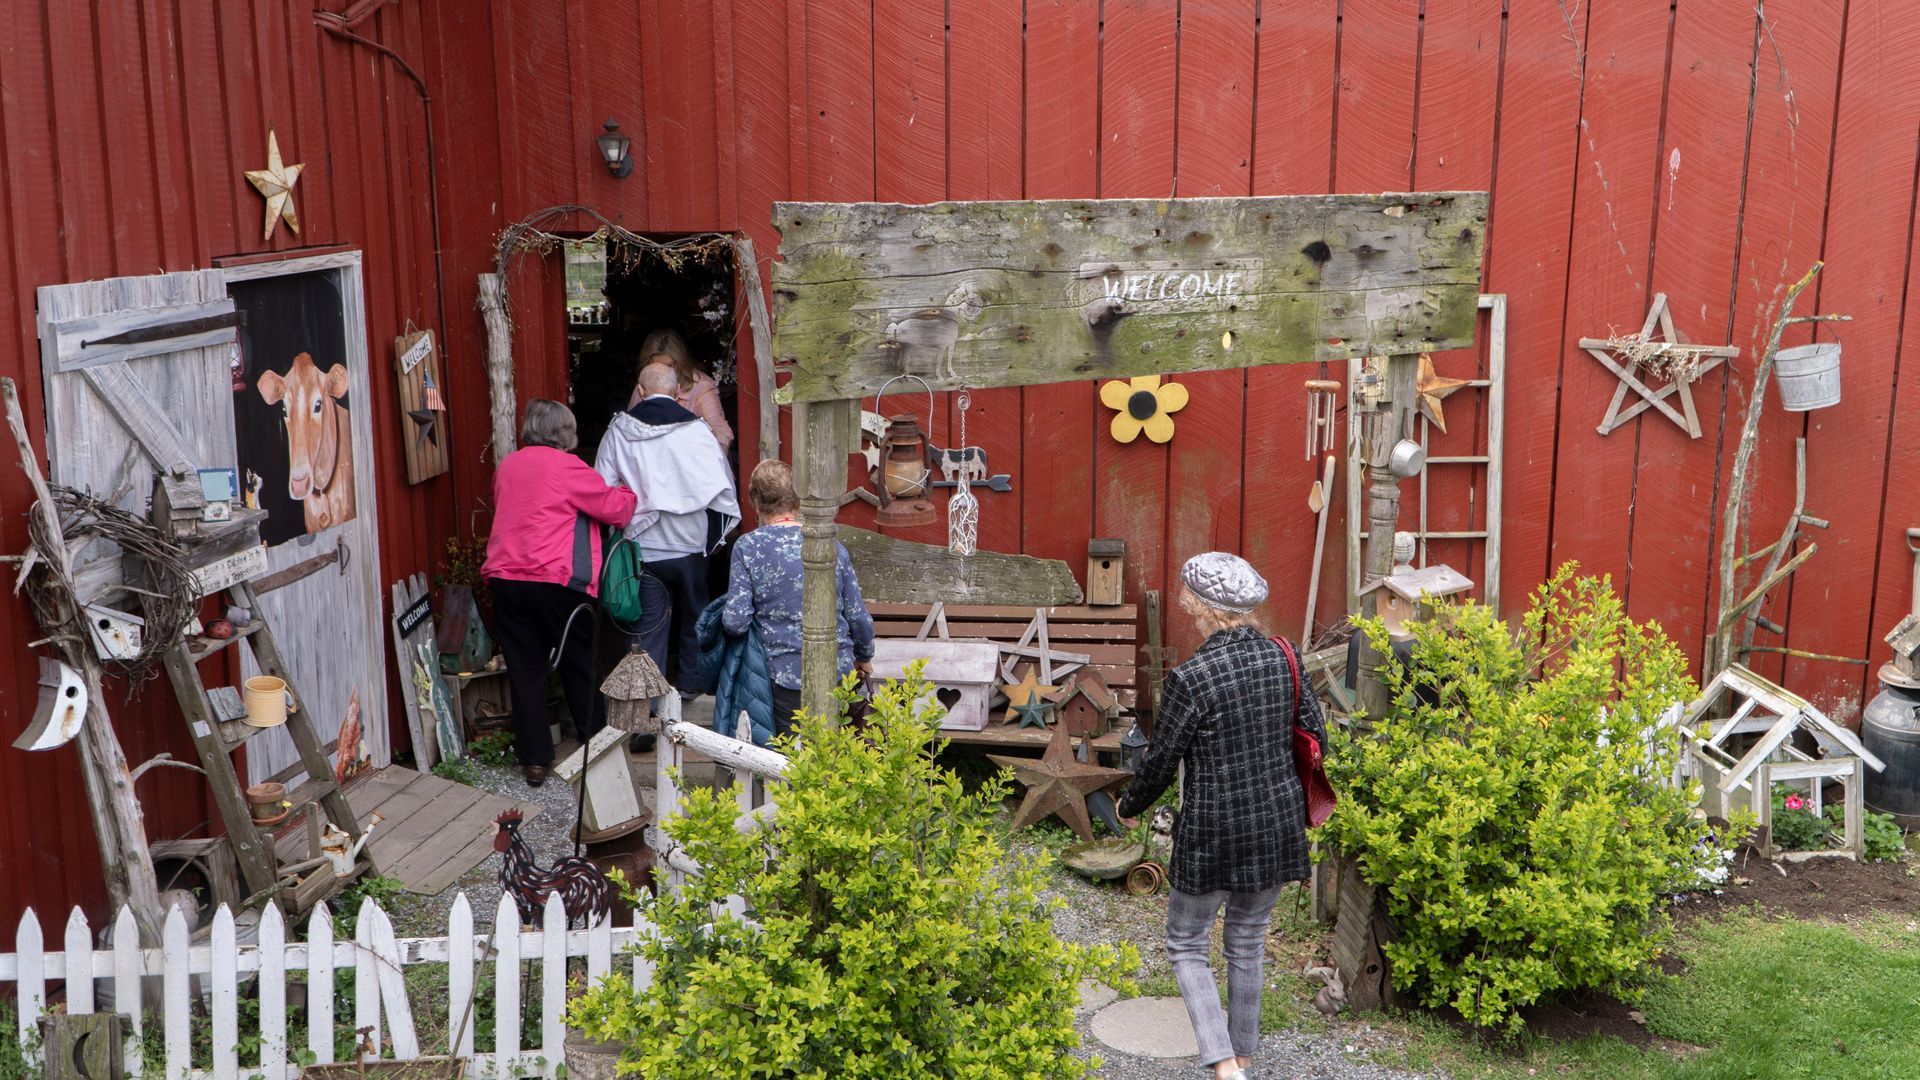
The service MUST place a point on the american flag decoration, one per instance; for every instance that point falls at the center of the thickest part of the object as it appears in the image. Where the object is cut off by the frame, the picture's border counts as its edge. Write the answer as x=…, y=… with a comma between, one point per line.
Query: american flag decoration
x=433, y=398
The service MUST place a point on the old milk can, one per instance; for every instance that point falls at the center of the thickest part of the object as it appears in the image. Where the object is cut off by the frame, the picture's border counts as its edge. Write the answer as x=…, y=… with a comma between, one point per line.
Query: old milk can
x=1891, y=730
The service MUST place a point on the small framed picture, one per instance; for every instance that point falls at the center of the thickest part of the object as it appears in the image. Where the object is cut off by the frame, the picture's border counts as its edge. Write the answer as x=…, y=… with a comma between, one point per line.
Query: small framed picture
x=220, y=485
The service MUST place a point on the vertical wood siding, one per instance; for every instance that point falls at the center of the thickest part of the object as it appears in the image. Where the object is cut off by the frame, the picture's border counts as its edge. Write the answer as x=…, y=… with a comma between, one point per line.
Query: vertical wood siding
x=1692, y=147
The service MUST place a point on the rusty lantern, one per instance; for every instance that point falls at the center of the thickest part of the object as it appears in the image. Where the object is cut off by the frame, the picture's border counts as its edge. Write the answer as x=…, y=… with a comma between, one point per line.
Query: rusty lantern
x=903, y=476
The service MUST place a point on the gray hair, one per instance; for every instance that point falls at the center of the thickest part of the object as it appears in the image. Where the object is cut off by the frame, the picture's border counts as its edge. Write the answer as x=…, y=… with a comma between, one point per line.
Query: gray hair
x=659, y=379
x=549, y=423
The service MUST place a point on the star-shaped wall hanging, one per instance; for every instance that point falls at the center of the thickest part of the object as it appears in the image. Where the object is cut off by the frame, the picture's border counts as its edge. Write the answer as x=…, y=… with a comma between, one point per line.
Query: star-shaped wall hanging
x=1433, y=388
x=275, y=182
x=1058, y=784
x=1670, y=355
x=425, y=431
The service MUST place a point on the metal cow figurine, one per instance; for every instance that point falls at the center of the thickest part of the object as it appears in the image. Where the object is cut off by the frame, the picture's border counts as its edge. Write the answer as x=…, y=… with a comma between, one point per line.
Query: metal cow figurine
x=969, y=462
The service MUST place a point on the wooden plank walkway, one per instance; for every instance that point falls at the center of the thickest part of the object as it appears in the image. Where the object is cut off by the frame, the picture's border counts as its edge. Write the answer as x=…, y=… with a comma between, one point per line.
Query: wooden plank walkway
x=433, y=830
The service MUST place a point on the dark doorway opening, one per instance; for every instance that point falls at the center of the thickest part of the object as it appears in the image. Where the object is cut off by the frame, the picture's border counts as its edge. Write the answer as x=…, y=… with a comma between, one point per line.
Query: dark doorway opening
x=617, y=294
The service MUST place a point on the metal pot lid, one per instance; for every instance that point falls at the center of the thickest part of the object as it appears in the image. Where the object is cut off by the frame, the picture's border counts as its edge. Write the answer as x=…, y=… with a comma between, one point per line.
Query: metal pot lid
x=1891, y=676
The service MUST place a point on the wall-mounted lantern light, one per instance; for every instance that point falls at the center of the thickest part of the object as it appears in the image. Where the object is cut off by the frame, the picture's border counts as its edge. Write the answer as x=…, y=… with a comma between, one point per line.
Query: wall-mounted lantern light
x=614, y=149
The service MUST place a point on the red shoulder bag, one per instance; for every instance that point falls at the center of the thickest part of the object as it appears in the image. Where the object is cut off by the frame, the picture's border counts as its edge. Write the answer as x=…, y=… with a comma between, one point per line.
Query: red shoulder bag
x=1306, y=749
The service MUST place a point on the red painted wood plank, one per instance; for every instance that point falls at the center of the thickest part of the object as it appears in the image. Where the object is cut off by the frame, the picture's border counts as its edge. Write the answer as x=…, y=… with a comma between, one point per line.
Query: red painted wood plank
x=1204, y=480
x=1528, y=233
x=838, y=51
x=1054, y=480
x=910, y=100
x=761, y=102
x=1139, y=88
x=1458, y=98
x=1620, y=142
x=984, y=161
x=211, y=149
x=1697, y=188
x=1787, y=177
x=725, y=121
x=173, y=202
x=85, y=203
x=1379, y=50
x=300, y=44
x=273, y=90
x=1292, y=155
x=537, y=119
x=128, y=128
x=1863, y=568
x=678, y=76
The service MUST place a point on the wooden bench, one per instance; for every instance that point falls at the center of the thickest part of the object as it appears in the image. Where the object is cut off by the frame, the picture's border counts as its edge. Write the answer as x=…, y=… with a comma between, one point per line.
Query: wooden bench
x=1109, y=637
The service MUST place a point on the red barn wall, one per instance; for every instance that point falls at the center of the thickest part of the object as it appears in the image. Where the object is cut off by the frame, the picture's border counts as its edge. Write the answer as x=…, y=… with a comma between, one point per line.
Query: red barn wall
x=124, y=129
x=1617, y=147
x=1676, y=146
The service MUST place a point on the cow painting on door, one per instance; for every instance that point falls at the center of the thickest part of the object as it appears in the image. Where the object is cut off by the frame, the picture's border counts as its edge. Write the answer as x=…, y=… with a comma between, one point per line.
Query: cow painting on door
x=292, y=409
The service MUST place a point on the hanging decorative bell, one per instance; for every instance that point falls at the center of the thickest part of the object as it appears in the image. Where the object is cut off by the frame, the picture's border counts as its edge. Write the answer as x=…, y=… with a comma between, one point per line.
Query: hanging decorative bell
x=903, y=477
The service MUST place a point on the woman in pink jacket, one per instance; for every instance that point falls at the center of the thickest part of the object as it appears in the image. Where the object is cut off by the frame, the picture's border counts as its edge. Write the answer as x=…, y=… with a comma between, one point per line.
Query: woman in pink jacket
x=543, y=563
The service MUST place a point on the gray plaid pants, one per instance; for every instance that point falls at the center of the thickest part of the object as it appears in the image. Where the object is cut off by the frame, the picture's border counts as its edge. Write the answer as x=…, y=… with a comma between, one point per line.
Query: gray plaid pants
x=1234, y=1032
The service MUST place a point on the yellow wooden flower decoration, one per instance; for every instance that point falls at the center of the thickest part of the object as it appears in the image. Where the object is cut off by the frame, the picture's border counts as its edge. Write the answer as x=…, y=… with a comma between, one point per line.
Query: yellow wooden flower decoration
x=1143, y=403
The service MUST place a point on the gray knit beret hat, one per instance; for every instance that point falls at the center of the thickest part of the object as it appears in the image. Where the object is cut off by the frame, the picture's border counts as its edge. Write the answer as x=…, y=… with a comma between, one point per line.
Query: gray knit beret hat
x=1224, y=581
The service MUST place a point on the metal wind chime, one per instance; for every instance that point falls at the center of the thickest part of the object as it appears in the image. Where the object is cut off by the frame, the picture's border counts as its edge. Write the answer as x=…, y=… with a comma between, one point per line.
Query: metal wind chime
x=1322, y=403
x=963, y=510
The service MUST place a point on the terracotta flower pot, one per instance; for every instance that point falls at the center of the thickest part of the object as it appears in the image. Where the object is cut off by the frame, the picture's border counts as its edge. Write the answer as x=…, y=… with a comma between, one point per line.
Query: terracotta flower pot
x=267, y=803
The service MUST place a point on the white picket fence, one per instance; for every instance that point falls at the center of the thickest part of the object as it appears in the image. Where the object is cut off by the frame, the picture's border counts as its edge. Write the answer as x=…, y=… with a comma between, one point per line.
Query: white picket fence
x=375, y=957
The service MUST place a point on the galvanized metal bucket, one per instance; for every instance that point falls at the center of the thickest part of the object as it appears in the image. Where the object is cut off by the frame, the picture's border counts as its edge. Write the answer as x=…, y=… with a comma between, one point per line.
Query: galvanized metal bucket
x=1809, y=376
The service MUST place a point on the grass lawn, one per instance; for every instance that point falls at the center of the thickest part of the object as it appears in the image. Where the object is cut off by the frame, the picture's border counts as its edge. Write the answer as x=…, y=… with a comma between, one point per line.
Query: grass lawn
x=1761, y=998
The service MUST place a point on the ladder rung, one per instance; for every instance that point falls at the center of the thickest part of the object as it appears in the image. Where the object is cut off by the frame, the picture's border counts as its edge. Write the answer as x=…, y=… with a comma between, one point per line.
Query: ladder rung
x=201, y=648
x=1459, y=459
x=311, y=791
x=1475, y=534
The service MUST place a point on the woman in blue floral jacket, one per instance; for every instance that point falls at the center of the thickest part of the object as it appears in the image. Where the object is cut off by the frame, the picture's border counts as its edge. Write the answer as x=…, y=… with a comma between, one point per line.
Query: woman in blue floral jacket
x=765, y=592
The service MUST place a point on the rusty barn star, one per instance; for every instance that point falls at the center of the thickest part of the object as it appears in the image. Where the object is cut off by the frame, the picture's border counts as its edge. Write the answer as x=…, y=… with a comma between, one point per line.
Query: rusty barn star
x=427, y=422
x=1058, y=784
x=1433, y=389
x=275, y=182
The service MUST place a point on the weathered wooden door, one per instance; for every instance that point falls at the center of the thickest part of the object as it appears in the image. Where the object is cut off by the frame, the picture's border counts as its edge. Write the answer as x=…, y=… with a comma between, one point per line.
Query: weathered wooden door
x=328, y=622
x=140, y=374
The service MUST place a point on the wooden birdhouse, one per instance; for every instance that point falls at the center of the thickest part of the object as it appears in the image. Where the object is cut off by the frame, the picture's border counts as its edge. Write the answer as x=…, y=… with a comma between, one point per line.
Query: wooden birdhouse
x=1406, y=590
x=1087, y=707
x=1905, y=639
x=178, y=502
x=962, y=673
x=1106, y=572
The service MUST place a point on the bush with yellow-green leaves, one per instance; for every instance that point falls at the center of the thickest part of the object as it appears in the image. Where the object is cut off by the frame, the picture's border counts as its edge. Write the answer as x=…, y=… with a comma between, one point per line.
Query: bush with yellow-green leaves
x=890, y=932
x=1515, y=807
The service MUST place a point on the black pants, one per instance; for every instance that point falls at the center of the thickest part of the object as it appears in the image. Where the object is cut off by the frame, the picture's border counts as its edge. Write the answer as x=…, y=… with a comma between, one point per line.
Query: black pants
x=786, y=703
x=529, y=618
x=685, y=582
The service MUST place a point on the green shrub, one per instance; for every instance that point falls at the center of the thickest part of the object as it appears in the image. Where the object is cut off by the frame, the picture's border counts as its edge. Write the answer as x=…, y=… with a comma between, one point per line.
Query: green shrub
x=1885, y=839
x=1513, y=808
x=457, y=769
x=495, y=748
x=892, y=933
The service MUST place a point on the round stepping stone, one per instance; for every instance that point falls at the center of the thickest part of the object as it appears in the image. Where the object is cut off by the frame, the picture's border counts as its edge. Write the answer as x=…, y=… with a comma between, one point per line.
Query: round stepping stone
x=1096, y=995
x=1155, y=1027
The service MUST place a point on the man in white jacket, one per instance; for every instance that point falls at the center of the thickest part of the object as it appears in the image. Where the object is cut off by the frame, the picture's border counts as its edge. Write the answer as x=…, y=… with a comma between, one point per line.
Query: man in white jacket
x=688, y=505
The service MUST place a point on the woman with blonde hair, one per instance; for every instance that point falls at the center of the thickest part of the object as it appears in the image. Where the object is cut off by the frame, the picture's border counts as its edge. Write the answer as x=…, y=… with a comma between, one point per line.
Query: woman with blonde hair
x=1227, y=715
x=697, y=390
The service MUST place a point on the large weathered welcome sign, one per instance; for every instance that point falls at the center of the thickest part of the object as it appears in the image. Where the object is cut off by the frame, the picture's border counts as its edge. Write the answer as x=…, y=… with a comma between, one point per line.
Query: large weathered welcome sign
x=983, y=294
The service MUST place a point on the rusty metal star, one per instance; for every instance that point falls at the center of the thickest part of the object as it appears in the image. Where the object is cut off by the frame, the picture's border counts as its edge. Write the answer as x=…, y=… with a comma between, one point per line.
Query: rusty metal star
x=1059, y=784
x=1432, y=389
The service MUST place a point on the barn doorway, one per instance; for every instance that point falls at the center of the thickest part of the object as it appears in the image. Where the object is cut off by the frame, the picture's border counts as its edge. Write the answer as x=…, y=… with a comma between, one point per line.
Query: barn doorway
x=619, y=292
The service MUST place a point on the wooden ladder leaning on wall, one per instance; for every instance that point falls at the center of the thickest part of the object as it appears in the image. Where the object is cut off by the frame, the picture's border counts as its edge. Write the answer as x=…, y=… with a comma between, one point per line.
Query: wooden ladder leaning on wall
x=226, y=561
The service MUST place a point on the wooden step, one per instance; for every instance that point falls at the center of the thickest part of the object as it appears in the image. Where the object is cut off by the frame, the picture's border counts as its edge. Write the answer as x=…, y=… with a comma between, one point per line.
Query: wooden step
x=202, y=647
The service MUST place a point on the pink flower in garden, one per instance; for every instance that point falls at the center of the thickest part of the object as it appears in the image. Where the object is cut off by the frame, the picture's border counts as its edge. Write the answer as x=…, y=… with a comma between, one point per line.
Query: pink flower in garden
x=1795, y=802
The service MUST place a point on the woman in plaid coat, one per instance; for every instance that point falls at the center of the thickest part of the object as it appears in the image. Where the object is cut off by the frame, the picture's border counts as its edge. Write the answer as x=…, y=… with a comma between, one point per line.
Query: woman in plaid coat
x=1227, y=714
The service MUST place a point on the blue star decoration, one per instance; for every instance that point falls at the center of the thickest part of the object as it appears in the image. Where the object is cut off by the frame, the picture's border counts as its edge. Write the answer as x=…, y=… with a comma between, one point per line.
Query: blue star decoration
x=1037, y=712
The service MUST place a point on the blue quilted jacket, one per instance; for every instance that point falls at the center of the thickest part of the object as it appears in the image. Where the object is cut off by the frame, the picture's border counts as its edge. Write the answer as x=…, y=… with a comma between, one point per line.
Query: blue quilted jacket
x=736, y=667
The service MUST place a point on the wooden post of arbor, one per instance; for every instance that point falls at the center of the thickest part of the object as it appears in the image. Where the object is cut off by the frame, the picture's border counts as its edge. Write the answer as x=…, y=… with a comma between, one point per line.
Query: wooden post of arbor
x=1383, y=516
x=978, y=295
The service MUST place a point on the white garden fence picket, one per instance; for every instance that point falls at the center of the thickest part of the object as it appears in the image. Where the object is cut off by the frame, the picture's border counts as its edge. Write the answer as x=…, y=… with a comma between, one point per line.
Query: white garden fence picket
x=375, y=957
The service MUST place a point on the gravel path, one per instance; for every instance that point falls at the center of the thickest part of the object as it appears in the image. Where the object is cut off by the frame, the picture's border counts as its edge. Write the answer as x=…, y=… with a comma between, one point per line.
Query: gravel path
x=1340, y=1049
